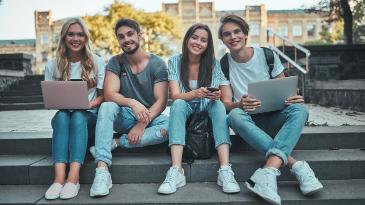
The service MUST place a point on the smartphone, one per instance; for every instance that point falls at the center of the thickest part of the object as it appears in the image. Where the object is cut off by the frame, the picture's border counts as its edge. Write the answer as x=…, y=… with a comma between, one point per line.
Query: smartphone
x=212, y=89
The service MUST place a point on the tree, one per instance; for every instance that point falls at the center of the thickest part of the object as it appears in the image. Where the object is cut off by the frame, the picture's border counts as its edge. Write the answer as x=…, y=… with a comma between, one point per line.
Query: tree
x=332, y=34
x=346, y=10
x=158, y=28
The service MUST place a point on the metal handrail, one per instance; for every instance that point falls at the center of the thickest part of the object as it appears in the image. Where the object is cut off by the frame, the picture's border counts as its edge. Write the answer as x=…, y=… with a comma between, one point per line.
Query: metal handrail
x=287, y=58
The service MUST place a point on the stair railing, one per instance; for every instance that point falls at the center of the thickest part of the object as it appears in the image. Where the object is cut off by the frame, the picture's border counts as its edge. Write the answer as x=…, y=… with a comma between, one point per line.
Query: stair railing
x=290, y=61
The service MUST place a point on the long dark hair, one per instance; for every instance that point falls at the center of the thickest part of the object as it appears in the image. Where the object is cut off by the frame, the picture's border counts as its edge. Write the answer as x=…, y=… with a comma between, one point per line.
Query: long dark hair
x=206, y=61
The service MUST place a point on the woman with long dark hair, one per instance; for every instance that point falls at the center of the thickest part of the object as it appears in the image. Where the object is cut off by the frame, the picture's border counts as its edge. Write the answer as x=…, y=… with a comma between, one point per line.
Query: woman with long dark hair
x=190, y=76
x=74, y=60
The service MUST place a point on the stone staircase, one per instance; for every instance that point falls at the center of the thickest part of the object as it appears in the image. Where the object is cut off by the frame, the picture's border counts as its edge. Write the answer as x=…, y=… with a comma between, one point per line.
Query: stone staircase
x=335, y=153
x=23, y=95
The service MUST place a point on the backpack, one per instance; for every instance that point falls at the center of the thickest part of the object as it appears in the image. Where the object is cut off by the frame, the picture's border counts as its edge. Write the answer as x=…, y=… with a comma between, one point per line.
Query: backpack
x=199, y=142
x=269, y=56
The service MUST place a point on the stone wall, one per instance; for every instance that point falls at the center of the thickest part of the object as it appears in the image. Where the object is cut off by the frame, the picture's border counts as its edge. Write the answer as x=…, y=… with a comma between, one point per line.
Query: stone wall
x=13, y=67
x=336, y=76
x=335, y=62
x=340, y=93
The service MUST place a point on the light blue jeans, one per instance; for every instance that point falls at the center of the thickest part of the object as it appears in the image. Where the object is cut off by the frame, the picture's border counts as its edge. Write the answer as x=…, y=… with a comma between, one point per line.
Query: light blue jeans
x=286, y=125
x=70, y=135
x=111, y=117
x=181, y=110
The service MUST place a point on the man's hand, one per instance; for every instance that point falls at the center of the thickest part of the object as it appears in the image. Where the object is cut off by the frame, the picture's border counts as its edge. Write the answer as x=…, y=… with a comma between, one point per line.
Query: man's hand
x=140, y=111
x=201, y=92
x=216, y=95
x=294, y=99
x=135, y=134
x=249, y=104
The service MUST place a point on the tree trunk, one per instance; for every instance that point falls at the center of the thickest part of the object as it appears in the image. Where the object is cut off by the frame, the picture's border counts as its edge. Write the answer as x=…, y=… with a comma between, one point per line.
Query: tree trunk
x=347, y=18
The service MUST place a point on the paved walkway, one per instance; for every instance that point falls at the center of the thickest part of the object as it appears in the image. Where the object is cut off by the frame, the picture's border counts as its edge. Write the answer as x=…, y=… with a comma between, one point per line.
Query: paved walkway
x=39, y=120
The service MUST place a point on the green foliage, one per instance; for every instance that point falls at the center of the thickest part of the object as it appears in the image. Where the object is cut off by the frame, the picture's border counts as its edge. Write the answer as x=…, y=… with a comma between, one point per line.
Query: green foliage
x=359, y=34
x=336, y=15
x=334, y=33
x=157, y=27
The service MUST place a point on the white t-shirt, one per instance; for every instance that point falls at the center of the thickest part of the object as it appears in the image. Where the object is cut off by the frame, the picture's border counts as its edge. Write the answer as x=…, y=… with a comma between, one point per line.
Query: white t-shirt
x=75, y=73
x=256, y=69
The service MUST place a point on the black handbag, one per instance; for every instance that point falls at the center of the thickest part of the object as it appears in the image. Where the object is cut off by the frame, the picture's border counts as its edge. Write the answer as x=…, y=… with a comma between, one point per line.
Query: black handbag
x=199, y=142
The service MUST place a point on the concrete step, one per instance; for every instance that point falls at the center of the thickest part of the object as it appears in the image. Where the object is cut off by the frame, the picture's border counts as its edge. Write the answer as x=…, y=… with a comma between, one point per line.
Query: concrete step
x=325, y=138
x=34, y=77
x=21, y=99
x=335, y=192
x=151, y=167
x=25, y=88
x=348, y=94
x=30, y=92
x=21, y=106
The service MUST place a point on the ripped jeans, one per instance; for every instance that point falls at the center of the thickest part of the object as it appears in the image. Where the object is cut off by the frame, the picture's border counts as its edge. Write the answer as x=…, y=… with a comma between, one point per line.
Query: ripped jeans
x=111, y=117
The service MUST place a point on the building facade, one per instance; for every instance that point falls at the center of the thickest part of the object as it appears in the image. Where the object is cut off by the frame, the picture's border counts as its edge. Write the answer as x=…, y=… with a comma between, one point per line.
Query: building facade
x=297, y=25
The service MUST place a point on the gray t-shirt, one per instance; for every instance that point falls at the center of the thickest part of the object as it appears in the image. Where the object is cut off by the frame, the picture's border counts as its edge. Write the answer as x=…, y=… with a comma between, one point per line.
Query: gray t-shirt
x=139, y=86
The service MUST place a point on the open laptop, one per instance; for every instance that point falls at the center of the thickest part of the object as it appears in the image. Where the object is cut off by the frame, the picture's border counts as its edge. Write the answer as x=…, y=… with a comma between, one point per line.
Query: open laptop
x=272, y=93
x=65, y=94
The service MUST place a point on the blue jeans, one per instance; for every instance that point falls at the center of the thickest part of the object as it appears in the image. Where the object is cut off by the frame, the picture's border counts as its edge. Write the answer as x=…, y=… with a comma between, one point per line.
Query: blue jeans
x=111, y=117
x=70, y=135
x=287, y=124
x=181, y=110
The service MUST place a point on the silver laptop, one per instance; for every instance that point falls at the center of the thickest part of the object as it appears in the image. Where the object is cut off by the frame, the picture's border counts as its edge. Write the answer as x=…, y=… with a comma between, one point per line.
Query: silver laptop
x=65, y=94
x=272, y=93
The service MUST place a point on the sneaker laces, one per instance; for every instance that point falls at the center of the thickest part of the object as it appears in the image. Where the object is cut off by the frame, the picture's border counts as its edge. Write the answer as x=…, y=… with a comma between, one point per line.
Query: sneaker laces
x=305, y=173
x=227, y=175
x=270, y=180
x=171, y=175
x=101, y=176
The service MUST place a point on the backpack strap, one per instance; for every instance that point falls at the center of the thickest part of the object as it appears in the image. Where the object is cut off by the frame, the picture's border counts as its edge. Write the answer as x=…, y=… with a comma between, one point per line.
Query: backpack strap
x=121, y=65
x=225, y=65
x=269, y=56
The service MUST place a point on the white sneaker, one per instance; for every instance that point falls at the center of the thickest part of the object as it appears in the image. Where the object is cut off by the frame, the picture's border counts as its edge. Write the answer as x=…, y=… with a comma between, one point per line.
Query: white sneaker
x=308, y=183
x=113, y=147
x=263, y=183
x=102, y=183
x=53, y=192
x=70, y=190
x=227, y=181
x=174, y=179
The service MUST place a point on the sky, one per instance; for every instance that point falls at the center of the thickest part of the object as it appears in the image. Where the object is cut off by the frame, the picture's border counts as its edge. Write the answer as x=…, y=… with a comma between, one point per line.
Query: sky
x=17, y=16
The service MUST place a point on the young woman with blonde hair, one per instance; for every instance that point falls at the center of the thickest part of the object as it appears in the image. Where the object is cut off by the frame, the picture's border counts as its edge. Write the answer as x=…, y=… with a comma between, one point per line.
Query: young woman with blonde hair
x=74, y=60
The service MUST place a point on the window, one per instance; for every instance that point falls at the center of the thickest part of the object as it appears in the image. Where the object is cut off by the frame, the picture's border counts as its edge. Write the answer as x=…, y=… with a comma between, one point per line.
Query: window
x=311, y=29
x=44, y=38
x=255, y=29
x=44, y=56
x=283, y=31
x=297, y=30
x=56, y=38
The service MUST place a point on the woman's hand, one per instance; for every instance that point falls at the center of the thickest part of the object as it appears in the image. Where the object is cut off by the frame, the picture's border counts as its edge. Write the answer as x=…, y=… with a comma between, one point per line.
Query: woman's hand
x=201, y=92
x=92, y=104
x=216, y=95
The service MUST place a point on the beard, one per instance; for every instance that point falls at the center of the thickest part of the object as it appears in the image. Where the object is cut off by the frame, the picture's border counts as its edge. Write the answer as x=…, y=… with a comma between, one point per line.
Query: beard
x=130, y=52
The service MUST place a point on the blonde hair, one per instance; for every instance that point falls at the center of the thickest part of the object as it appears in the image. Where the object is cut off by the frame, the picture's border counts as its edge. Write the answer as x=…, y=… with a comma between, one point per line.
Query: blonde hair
x=88, y=66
